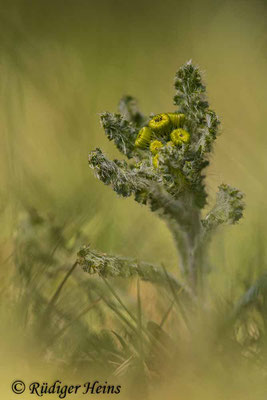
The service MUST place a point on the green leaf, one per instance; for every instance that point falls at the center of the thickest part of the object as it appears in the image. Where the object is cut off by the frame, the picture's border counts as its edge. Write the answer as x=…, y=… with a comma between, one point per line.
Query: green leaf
x=121, y=131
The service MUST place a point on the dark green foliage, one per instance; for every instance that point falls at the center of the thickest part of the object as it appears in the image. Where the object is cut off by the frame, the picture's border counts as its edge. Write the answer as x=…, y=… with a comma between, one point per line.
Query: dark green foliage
x=122, y=132
x=112, y=266
x=128, y=108
x=191, y=98
x=228, y=208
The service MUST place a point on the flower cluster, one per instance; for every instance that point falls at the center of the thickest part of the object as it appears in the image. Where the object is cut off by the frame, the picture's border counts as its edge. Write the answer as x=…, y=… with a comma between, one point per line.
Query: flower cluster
x=162, y=130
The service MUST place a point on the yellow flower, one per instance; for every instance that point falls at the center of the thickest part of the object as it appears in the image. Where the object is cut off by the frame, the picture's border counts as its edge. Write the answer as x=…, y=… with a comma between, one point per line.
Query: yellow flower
x=177, y=120
x=143, y=137
x=160, y=124
x=180, y=136
x=155, y=146
x=155, y=161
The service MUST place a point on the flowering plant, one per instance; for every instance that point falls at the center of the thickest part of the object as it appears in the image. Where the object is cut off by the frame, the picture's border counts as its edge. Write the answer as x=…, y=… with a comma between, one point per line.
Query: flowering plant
x=167, y=155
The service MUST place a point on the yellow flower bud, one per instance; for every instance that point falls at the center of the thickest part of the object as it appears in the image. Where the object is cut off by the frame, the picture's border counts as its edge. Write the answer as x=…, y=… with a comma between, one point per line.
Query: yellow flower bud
x=180, y=136
x=160, y=124
x=155, y=161
x=143, y=137
x=155, y=146
x=177, y=120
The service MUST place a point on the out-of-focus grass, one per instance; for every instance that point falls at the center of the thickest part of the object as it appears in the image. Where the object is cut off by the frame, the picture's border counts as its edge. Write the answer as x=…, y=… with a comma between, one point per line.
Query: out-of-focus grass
x=62, y=63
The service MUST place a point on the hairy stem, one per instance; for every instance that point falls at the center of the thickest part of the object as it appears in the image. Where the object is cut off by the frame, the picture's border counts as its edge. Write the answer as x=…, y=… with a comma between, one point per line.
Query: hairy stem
x=191, y=251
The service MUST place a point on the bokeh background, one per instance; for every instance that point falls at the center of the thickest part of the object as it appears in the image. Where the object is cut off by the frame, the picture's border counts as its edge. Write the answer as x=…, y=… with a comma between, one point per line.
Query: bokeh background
x=64, y=62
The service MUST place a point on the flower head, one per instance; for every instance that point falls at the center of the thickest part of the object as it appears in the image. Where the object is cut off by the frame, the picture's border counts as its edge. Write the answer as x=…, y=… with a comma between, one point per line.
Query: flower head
x=180, y=136
x=155, y=146
x=177, y=119
x=143, y=137
x=155, y=161
x=160, y=124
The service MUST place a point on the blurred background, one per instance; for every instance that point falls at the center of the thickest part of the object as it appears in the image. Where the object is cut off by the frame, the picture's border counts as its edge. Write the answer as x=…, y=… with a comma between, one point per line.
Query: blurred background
x=64, y=62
